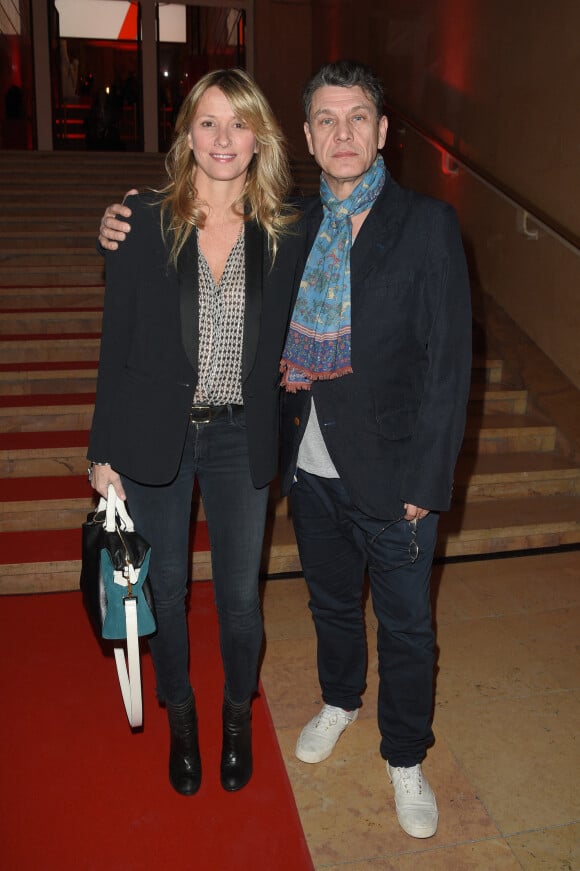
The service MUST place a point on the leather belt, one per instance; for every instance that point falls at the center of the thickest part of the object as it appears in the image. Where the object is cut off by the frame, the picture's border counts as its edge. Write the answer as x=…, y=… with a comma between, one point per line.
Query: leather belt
x=206, y=413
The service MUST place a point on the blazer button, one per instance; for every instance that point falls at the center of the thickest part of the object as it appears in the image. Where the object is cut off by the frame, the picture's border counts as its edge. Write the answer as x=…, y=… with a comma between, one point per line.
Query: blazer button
x=296, y=421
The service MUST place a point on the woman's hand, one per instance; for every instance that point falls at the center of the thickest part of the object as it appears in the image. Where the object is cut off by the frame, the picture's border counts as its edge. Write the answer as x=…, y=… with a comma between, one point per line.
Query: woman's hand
x=112, y=230
x=102, y=476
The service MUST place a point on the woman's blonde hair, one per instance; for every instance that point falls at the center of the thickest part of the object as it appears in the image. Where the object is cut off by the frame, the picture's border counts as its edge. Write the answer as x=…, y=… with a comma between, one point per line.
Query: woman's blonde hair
x=268, y=181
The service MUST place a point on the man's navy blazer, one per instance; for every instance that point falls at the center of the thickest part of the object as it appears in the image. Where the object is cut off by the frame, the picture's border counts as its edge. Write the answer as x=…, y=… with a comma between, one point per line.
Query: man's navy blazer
x=149, y=350
x=394, y=427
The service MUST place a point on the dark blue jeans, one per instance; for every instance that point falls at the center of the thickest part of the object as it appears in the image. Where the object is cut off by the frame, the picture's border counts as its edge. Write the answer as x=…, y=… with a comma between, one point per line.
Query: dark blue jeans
x=337, y=542
x=217, y=454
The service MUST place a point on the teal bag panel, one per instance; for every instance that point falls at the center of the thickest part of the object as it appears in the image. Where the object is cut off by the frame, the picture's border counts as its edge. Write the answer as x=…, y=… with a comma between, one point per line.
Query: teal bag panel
x=114, y=625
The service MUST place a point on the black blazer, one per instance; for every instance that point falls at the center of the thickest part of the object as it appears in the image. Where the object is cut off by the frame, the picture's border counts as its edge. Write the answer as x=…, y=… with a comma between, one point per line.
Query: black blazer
x=149, y=350
x=394, y=427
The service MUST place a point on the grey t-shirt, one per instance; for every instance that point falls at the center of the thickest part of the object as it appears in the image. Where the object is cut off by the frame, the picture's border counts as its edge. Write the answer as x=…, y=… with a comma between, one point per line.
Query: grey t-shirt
x=313, y=456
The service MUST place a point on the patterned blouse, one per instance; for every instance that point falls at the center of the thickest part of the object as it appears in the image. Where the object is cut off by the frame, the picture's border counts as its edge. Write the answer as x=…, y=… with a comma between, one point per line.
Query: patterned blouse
x=221, y=329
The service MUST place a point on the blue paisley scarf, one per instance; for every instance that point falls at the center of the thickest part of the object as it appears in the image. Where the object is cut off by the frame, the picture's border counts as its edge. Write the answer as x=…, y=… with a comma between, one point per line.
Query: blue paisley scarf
x=318, y=342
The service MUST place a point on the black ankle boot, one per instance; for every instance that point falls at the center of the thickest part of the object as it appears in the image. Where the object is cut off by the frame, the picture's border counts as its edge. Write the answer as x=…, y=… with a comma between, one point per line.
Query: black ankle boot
x=184, y=758
x=236, y=763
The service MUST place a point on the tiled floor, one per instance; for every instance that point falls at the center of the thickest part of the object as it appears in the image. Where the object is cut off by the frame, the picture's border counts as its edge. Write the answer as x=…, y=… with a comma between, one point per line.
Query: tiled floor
x=506, y=762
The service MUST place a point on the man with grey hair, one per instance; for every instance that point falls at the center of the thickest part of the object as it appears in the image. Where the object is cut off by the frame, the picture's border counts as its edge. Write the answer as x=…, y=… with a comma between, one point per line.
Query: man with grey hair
x=375, y=371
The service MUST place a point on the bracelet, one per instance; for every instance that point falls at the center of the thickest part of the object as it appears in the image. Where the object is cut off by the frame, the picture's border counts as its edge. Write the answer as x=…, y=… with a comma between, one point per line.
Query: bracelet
x=91, y=467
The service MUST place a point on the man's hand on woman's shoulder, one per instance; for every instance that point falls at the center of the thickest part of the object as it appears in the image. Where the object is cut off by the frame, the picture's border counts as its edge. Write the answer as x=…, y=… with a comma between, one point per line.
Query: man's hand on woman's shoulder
x=113, y=229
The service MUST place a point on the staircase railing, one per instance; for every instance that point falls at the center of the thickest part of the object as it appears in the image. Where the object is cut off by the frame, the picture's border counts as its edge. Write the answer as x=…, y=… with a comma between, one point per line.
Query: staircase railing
x=525, y=210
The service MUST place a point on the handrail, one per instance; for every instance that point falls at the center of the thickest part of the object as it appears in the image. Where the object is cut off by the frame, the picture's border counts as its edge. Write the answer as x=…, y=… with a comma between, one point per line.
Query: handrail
x=548, y=224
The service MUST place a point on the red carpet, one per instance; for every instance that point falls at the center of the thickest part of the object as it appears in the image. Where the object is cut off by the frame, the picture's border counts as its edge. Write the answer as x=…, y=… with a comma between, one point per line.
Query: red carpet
x=47, y=365
x=80, y=791
x=39, y=440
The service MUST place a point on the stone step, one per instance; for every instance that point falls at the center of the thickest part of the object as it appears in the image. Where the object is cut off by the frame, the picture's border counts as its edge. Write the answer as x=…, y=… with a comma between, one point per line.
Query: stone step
x=65, y=185
x=56, y=502
x=45, y=503
x=502, y=433
x=78, y=378
x=486, y=369
x=56, y=563
x=35, y=348
x=32, y=454
x=45, y=453
x=57, y=297
x=486, y=476
x=59, y=322
x=75, y=164
x=65, y=194
x=73, y=186
x=491, y=433
x=37, y=226
x=514, y=475
x=55, y=274
x=49, y=412
x=65, y=256
x=481, y=528
x=71, y=182
x=512, y=489
x=494, y=526
x=63, y=202
x=74, y=180
x=48, y=378
x=39, y=349
x=58, y=568
x=14, y=207
x=68, y=161
x=493, y=398
x=44, y=237
x=110, y=184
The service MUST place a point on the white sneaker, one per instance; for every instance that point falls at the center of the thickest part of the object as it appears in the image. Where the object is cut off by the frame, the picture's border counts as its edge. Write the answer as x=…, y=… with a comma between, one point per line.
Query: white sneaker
x=415, y=801
x=318, y=737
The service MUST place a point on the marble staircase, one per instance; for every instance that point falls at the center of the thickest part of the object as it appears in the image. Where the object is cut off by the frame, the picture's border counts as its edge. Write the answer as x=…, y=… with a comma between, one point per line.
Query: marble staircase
x=518, y=478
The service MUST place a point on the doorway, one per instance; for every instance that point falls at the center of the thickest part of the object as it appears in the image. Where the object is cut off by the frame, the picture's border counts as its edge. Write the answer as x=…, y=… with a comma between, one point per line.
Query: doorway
x=101, y=92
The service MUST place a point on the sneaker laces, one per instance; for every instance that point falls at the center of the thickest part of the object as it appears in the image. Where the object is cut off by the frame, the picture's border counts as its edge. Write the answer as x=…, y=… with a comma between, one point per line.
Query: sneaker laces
x=328, y=717
x=411, y=780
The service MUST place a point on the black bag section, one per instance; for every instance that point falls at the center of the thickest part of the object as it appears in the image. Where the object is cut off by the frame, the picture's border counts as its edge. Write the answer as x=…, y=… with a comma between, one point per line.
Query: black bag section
x=120, y=546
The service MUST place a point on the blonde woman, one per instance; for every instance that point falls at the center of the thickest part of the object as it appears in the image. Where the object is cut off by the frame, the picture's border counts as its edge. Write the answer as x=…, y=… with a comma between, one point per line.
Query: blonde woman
x=196, y=309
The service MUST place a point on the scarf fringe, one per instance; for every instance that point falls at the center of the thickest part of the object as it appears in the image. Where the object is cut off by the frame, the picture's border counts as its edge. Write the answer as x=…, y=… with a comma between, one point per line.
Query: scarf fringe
x=293, y=386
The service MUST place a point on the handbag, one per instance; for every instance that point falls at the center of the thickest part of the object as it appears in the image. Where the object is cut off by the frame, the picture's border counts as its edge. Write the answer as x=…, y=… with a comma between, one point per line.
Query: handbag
x=116, y=591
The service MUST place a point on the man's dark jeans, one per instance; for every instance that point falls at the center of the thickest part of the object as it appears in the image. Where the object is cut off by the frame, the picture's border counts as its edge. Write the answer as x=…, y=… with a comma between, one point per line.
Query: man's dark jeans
x=337, y=542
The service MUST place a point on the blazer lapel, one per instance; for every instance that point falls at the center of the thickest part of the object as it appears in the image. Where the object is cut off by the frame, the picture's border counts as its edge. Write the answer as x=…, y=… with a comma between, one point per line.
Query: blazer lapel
x=377, y=234
x=188, y=282
x=255, y=255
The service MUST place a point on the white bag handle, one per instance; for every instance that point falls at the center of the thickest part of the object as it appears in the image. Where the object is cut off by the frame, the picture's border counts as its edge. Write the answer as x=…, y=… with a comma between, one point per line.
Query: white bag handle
x=129, y=678
x=115, y=506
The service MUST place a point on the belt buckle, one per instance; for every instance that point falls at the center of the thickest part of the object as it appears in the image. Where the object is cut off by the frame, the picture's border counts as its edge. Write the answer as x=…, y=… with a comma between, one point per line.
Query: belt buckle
x=204, y=410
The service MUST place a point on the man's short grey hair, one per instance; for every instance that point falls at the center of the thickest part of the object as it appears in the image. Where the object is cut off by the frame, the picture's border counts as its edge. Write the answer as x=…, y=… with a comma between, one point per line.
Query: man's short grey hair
x=345, y=74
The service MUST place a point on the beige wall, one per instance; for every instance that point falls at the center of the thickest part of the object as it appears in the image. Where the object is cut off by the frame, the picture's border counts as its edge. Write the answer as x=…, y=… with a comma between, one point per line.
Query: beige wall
x=283, y=62
x=500, y=81
x=497, y=79
x=536, y=282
